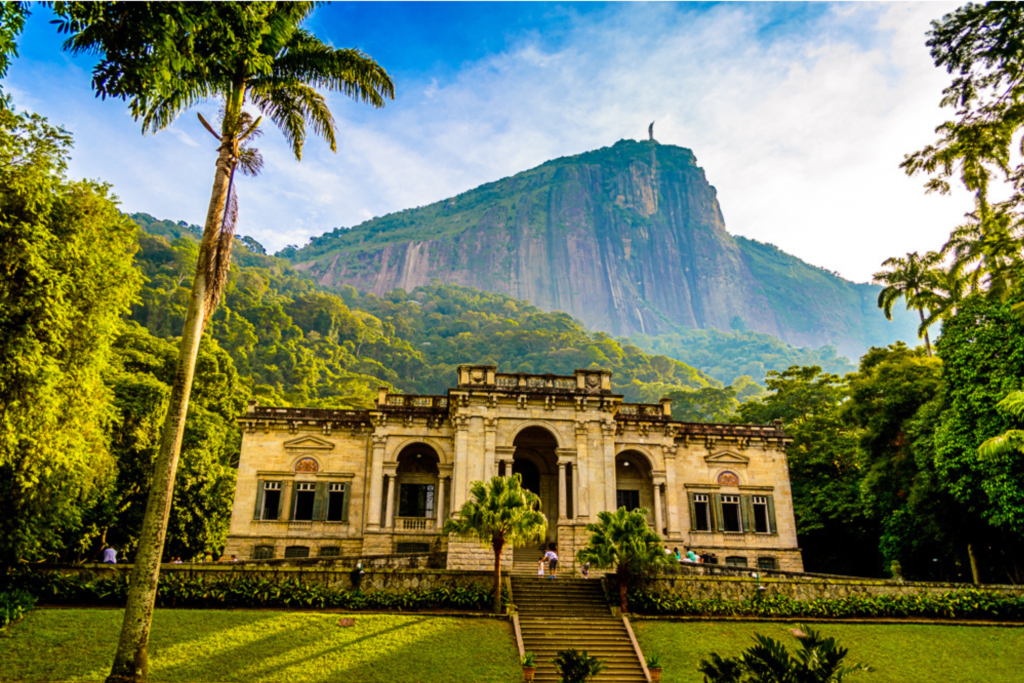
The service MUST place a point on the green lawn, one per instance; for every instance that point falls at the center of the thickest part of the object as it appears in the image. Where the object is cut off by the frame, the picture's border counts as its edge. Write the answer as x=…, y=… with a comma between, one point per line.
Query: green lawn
x=251, y=646
x=905, y=653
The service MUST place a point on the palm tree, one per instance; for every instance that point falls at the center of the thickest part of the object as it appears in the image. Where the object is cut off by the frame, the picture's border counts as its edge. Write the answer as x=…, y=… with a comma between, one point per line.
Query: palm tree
x=987, y=253
x=622, y=540
x=1012, y=440
x=907, y=278
x=941, y=296
x=500, y=512
x=164, y=58
x=819, y=660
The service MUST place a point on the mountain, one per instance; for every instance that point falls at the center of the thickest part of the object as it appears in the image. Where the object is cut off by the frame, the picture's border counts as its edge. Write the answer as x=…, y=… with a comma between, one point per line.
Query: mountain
x=628, y=238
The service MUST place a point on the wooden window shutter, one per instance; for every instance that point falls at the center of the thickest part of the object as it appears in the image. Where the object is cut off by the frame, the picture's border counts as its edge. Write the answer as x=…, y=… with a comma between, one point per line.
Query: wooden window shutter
x=693, y=512
x=719, y=518
x=319, y=501
x=746, y=513
x=771, y=515
x=346, y=494
x=258, y=515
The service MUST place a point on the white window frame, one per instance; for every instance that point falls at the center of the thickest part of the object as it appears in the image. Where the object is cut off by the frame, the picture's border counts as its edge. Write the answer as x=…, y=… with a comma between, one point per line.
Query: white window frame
x=706, y=499
x=763, y=501
x=738, y=502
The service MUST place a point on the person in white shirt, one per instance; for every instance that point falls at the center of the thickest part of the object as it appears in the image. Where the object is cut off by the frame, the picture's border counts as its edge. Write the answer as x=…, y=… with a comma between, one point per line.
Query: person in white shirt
x=552, y=559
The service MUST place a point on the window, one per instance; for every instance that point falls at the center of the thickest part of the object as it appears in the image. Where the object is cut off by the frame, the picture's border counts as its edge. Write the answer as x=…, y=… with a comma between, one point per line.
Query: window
x=412, y=548
x=735, y=561
x=295, y=552
x=761, y=514
x=701, y=512
x=627, y=499
x=263, y=552
x=731, y=518
x=336, y=503
x=305, y=496
x=767, y=563
x=416, y=500
x=330, y=551
x=271, y=500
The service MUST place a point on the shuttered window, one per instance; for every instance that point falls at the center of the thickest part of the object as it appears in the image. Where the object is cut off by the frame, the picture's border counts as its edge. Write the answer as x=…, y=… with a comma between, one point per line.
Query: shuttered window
x=337, y=503
x=305, y=499
x=732, y=519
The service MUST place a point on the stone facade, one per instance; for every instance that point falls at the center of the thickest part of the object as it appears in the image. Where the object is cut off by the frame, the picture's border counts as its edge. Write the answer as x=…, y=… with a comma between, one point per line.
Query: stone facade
x=341, y=483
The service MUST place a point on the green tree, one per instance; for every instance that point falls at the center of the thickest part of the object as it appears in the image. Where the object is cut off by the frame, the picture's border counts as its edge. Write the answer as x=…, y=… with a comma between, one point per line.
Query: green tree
x=983, y=361
x=622, y=540
x=980, y=46
x=908, y=279
x=500, y=512
x=709, y=404
x=174, y=57
x=66, y=277
x=819, y=660
x=12, y=21
x=825, y=469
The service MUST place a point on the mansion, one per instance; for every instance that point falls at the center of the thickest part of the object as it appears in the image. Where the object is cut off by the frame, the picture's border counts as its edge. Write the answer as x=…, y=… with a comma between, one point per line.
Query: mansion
x=356, y=483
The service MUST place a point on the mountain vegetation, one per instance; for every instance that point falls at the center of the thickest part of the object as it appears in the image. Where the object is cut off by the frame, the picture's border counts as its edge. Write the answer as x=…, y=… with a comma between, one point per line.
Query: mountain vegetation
x=629, y=239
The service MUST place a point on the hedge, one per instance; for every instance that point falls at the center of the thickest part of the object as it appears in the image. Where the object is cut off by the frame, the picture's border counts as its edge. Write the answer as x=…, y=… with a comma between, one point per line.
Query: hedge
x=176, y=590
x=960, y=604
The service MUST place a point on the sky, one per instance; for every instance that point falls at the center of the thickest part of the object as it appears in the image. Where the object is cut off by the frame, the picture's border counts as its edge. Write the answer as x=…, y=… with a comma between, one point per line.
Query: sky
x=800, y=115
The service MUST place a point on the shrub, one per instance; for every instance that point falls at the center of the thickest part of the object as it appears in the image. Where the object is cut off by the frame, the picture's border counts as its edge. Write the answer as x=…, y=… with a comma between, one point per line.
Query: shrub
x=961, y=604
x=176, y=590
x=14, y=605
x=577, y=667
x=819, y=660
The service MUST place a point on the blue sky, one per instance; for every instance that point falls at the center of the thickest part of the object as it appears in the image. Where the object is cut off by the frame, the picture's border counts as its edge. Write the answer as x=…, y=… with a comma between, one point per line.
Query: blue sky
x=799, y=114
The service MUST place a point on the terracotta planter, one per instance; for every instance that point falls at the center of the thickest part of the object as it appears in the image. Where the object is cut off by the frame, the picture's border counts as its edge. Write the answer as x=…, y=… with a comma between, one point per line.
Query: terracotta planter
x=528, y=672
x=655, y=673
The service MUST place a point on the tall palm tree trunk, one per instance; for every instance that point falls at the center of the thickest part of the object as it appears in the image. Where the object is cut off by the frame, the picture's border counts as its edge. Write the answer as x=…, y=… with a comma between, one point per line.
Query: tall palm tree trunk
x=497, y=545
x=131, y=662
x=927, y=341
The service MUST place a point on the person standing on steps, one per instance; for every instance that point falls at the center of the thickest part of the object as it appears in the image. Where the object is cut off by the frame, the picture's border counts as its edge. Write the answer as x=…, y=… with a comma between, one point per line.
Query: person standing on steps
x=552, y=559
x=540, y=568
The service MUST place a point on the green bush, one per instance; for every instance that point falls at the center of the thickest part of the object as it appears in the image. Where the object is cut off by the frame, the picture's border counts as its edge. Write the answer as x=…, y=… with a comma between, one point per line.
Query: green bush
x=962, y=604
x=14, y=605
x=176, y=590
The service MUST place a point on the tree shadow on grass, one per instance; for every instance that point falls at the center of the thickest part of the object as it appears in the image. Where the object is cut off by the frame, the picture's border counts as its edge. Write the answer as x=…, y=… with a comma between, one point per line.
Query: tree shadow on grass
x=267, y=649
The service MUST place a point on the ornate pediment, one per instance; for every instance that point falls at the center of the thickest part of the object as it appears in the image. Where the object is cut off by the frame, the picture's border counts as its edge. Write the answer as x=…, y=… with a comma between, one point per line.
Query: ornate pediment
x=727, y=458
x=308, y=442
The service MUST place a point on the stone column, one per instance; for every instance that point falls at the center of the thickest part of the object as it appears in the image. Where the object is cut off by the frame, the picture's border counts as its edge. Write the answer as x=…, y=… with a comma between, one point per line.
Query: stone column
x=376, y=481
x=439, y=502
x=575, y=490
x=286, y=501
x=581, y=481
x=671, y=493
x=657, y=508
x=608, y=431
x=561, y=491
x=490, y=426
x=460, y=474
x=392, y=491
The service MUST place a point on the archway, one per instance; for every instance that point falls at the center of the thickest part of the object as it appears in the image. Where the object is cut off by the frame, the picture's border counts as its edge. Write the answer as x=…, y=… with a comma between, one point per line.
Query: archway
x=634, y=486
x=535, y=460
x=417, y=492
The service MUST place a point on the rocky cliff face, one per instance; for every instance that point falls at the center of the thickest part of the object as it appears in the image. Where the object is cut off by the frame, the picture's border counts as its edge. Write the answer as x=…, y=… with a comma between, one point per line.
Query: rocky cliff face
x=628, y=238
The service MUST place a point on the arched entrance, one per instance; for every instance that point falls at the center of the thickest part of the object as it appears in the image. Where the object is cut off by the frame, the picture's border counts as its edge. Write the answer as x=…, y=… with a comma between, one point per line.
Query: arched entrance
x=535, y=460
x=417, y=492
x=634, y=487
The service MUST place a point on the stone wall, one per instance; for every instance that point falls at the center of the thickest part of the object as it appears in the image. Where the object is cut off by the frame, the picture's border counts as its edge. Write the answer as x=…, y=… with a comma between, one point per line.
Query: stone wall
x=803, y=588
x=334, y=577
x=470, y=554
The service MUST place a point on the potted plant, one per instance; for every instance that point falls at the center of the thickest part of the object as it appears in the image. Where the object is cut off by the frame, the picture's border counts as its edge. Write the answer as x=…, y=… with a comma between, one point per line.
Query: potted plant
x=529, y=666
x=654, y=666
x=575, y=666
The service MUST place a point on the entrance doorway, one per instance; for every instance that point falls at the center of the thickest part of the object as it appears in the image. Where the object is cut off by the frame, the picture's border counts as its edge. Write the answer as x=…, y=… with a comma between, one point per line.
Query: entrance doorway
x=536, y=462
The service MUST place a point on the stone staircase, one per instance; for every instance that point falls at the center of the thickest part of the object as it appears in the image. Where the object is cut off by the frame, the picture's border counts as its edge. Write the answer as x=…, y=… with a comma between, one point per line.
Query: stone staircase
x=525, y=560
x=557, y=614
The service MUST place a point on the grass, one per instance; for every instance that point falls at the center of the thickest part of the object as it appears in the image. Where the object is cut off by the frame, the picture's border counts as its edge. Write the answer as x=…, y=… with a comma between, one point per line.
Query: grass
x=253, y=646
x=903, y=653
